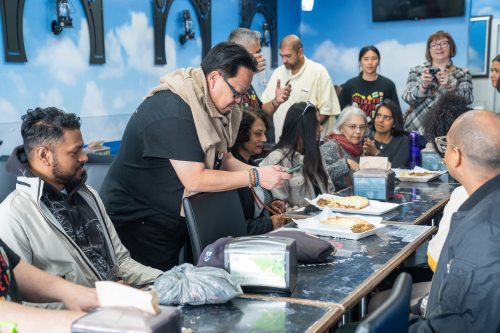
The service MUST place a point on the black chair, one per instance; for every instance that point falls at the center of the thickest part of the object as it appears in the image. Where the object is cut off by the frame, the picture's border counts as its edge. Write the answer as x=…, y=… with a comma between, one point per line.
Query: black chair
x=97, y=168
x=392, y=315
x=211, y=216
x=7, y=180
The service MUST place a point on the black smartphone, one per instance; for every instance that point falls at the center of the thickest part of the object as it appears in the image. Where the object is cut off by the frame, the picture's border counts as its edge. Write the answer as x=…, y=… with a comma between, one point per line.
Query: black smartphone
x=295, y=168
x=434, y=70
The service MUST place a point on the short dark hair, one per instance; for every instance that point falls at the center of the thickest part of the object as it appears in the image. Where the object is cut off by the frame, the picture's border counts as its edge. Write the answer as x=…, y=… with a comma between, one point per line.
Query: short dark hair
x=43, y=125
x=397, y=116
x=227, y=58
x=247, y=120
x=438, y=35
x=300, y=126
x=497, y=59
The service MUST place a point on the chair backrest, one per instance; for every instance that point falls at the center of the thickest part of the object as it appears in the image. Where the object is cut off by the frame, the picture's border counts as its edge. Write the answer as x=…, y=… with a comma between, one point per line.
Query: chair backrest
x=97, y=167
x=392, y=315
x=210, y=216
x=7, y=180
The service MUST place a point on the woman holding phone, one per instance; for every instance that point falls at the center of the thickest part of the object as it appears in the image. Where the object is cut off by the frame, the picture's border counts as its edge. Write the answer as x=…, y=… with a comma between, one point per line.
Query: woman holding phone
x=298, y=150
x=250, y=142
x=438, y=75
x=388, y=138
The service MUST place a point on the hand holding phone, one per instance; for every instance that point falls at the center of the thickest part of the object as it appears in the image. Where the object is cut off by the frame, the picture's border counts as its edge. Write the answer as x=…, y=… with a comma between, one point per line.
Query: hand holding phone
x=295, y=168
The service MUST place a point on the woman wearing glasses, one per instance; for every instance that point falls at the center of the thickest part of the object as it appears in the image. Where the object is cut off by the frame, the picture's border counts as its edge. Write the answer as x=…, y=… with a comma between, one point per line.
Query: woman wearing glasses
x=388, y=138
x=369, y=88
x=298, y=147
x=438, y=75
x=249, y=142
x=344, y=146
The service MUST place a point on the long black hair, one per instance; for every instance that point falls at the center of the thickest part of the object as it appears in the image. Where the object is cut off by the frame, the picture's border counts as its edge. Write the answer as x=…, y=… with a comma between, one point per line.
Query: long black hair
x=300, y=135
x=397, y=116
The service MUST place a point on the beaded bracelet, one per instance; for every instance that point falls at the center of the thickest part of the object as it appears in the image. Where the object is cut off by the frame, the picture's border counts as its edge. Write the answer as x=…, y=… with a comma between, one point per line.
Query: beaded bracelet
x=252, y=178
x=256, y=173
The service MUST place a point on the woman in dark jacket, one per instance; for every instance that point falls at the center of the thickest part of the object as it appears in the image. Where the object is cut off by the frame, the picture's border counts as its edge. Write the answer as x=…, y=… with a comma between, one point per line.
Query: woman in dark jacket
x=249, y=142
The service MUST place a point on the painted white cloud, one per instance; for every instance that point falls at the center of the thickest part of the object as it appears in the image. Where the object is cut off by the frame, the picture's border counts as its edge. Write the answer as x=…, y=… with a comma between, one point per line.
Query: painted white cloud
x=17, y=81
x=396, y=60
x=52, y=97
x=65, y=58
x=195, y=61
x=115, y=65
x=474, y=61
x=93, y=103
x=136, y=38
x=306, y=29
x=8, y=112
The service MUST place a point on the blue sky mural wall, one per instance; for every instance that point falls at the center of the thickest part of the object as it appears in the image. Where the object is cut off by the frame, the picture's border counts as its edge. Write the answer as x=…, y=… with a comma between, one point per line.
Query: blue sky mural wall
x=58, y=72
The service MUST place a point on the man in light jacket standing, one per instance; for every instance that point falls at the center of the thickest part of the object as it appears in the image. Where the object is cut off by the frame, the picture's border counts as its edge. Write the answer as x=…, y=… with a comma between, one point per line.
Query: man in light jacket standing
x=53, y=220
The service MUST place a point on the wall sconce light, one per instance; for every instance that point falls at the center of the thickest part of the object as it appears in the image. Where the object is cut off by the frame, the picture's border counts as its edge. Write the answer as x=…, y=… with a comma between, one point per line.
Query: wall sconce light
x=63, y=17
x=264, y=36
x=187, y=25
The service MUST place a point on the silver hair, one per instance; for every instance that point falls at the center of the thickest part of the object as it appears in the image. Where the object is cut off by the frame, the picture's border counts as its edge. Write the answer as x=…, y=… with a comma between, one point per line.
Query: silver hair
x=345, y=115
x=242, y=35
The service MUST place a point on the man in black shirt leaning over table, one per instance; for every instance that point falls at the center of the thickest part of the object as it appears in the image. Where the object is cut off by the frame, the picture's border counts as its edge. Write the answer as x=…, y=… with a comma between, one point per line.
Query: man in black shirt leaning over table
x=35, y=285
x=177, y=142
x=465, y=290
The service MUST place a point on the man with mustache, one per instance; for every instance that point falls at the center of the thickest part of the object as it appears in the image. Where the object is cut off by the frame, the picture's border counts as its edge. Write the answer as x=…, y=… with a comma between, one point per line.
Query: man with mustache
x=53, y=220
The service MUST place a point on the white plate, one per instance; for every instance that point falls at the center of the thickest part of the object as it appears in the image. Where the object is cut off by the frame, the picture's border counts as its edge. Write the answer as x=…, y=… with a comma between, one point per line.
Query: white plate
x=400, y=174
x=313, y=225
x=374, y=208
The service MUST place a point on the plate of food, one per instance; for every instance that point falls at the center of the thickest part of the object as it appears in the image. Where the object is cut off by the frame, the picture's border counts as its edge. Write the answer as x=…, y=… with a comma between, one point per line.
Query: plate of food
x=419, y=175
x=340, y=226
x=352, y=204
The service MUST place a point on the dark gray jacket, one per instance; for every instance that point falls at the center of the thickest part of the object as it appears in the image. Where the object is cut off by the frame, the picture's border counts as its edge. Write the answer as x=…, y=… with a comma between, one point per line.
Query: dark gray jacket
x=465, y=291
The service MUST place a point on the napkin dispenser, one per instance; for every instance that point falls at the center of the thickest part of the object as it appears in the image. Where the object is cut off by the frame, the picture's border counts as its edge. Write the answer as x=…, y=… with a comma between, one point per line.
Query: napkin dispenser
x=263, y=264
x=375, y=179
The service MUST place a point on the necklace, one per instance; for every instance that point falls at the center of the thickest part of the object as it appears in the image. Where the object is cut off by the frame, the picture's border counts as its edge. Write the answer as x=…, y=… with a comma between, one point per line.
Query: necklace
x=382, y=144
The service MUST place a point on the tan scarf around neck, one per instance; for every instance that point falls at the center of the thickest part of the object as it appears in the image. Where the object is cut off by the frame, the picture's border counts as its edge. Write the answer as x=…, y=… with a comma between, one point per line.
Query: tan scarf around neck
x=216, y=132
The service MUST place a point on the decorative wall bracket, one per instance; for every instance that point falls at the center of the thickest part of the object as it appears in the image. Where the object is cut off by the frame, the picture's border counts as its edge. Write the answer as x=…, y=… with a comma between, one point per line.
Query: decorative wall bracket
x=95, y=21
x=12, y=24
x=268, y=8
x=160, y=14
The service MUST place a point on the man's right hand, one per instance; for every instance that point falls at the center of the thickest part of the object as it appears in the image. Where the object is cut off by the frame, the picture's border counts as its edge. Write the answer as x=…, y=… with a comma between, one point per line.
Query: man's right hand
x=282, y=94
x=272, y=176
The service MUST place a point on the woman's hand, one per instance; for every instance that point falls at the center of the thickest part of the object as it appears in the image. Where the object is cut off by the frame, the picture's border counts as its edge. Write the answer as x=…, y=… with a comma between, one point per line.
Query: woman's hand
x=272, y=176
x=278, y=221
x=443, y=78
x=369, y=148
x=278, y=206
x=426, y=79
x=353, y=165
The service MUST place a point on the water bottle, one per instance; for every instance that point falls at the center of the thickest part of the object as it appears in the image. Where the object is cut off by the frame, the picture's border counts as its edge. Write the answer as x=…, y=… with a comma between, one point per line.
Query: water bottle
x=414, y=159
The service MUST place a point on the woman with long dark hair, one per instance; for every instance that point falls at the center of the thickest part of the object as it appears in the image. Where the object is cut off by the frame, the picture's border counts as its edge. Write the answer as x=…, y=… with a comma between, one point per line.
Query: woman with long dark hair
x=299, y=145
x=388, y=138
x=250, y=142
x=369, y=88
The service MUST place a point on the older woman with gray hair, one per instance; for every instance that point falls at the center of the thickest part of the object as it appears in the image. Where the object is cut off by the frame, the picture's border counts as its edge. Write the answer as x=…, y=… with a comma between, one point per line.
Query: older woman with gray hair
x=344, y=146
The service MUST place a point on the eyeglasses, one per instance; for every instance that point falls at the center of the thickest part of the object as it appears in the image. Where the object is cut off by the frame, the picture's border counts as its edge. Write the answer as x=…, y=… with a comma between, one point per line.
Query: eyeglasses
x=236, y=93
x=442, y=144
x=309, y=105
x=441, y=44
x=384, y=117
x=353, y=127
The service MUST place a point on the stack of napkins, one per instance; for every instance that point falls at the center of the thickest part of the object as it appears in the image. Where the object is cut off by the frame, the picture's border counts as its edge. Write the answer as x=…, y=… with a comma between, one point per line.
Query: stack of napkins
x=374, y=162
x=116, y=294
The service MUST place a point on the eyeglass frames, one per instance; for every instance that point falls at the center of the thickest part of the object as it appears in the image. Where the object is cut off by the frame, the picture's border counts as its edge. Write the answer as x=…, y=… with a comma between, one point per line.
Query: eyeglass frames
x=236, y=93
x=441, y=44
x=309, y=105
x=353, y=127
x=383, y=117
x=442, y=144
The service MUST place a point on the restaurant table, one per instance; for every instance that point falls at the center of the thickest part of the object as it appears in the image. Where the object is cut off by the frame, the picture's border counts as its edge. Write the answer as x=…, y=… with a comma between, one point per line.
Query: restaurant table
x=420, y=203
x=358, y=266
x=254, y=315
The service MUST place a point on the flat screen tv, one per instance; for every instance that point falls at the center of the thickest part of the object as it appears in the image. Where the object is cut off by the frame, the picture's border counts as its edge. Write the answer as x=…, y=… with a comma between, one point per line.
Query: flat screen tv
x=392, y=10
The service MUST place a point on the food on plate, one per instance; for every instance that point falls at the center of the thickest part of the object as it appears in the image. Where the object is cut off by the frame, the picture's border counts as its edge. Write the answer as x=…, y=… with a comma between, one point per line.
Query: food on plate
x=356, y=224
x=418, y=173
x=352, y=202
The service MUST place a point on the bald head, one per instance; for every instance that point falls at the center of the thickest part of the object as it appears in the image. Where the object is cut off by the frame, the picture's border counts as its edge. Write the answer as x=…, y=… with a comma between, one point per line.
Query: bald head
x=291, y=41
x=477, y=135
